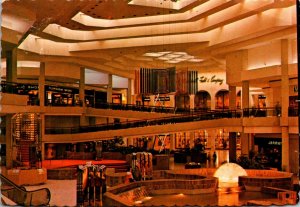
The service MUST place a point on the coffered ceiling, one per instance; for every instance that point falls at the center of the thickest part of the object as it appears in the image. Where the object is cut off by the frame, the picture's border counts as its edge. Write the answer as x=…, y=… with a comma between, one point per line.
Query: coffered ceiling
x=114, y=35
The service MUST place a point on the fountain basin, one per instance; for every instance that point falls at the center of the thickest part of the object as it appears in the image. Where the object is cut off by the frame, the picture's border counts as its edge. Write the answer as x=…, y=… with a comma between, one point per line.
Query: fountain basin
x=129, y=194
x=256, y=179
x=198, y=187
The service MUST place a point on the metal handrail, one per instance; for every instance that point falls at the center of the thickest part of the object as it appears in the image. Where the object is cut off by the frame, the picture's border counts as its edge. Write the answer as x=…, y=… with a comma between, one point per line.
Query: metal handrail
x=22, y=197
x=209, y=115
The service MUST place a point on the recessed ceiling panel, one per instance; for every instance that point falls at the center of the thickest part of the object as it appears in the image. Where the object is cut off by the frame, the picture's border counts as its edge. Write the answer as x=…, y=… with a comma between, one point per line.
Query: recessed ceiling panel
x=168, y=4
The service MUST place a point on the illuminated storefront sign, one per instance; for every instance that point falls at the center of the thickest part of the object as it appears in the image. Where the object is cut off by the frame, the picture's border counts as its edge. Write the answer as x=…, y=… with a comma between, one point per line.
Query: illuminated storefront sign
x=274, y=143
x=212, y=79
x=296, y=89
x=163, y=98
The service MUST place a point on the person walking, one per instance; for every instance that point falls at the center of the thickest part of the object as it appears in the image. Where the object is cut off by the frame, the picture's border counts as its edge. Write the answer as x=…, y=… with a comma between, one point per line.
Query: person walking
x=214, y=158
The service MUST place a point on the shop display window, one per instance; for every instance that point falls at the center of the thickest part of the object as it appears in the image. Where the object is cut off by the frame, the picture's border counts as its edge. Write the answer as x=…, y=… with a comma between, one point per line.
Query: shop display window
x=222, y=99
x=182, y=140
x=161, y=142
x=117, y=98
x=201, y=137
x=202, y=100
x=222, y=139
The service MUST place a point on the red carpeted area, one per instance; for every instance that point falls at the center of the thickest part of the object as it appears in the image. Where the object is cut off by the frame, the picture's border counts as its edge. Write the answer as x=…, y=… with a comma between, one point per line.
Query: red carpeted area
x=54, y=164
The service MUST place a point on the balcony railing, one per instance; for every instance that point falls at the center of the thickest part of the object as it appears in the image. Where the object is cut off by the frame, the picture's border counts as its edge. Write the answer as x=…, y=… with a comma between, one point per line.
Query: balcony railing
x=209, y=115
x=199, y=116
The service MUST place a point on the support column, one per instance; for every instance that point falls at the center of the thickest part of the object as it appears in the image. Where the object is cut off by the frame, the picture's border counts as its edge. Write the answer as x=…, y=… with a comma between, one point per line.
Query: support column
x=232, y=146
x=284, y=83
x=129, y=141
x=172, y=141
x=232, y=97
x=11, y=76
x=192, y=101
x=11, y=65
x=42, y=84
x=8, y=141
x=84, y=120
x=192, y=138
x=285, y=164
x=129, y=91
x=109, y=89
x=42, y=134
x=213, y=102
x=245, y=144
x=284, y=105
x=245, y=94
x=81, y=86
x=211, y=142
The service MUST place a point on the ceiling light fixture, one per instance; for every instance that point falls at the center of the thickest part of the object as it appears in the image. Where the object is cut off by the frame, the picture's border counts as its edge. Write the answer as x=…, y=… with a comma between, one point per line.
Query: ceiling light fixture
x=173, y=57
x=195, y=60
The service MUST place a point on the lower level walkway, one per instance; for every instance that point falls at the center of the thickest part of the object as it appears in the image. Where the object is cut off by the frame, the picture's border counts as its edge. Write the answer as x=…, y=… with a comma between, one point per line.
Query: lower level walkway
x=63, y=192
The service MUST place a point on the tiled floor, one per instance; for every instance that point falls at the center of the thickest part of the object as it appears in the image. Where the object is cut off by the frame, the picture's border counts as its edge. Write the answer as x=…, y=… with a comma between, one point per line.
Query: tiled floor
x=63, y=192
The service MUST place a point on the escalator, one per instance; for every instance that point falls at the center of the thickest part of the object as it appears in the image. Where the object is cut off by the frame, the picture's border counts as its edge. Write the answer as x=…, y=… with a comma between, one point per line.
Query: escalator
x=12, y=193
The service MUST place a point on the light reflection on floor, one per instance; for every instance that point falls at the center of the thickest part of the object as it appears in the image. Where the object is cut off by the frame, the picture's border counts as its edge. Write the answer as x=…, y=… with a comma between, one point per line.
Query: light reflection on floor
x=231, y=199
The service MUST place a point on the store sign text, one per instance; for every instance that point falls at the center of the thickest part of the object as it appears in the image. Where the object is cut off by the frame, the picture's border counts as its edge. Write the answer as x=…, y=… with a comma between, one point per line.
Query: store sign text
x=296, y=89
x=274, y=143
x=213, y=79
x=163, y=98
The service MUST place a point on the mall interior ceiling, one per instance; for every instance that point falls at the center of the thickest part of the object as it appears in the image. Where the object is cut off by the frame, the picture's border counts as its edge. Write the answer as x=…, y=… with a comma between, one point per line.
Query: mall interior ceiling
x=120, y=36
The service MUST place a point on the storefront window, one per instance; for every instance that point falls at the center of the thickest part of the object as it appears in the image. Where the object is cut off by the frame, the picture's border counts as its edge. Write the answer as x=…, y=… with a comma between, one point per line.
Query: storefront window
x=161, y=142
x=182, y=101
x=202, y=100
x=201, y=137
x=222, y=139
x=268, y=151
x=182, y=140
x=222, y=99
x=261, y=101
x=60, y=96
x=116, y=98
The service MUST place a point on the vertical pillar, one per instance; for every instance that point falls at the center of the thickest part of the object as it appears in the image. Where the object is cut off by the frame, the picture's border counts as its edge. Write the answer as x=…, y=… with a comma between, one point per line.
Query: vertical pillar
x=284, y=105
x=129, y=91
x=192, y=138
x=245, y=94
x=213, y=102
x=245, y=144
x=84, y=120
x=42, y=84
x=42, y=134
x=81, y=86
x=285, y=149
x=211, y=142
x=172, y=141
x=192, y=101
x=129, y=141
x=8, y=141
x=251, y=141
x=109, y=89
x=232, y=97
x=232, y=146
x=172, y=101
x=11, y=65
x=11, y=76
x=284, y=83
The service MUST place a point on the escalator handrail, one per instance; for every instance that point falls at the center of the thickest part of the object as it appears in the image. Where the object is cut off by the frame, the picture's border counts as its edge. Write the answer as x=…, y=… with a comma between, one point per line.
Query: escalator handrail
x=22, y=189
